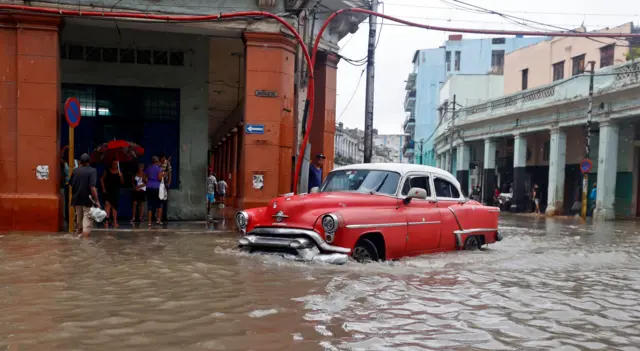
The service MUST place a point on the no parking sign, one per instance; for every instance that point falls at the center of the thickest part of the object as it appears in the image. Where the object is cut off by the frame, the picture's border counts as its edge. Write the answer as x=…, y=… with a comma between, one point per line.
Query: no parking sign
x=586, y=165
x=72, y=112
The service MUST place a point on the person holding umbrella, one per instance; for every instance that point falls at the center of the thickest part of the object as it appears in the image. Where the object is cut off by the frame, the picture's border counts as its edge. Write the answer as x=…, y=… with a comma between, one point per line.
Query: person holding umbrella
x=111, y=182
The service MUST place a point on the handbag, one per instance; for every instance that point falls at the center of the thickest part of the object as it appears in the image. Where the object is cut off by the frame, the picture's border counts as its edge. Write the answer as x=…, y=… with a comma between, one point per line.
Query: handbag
x=162, y=193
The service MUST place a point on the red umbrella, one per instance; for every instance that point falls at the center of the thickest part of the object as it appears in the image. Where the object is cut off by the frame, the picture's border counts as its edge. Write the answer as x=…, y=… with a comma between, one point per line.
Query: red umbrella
x=116, y=150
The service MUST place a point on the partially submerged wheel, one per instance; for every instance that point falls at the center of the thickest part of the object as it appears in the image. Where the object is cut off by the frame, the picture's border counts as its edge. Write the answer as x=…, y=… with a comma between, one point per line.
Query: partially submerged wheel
x=472, y=243
x=365, y=251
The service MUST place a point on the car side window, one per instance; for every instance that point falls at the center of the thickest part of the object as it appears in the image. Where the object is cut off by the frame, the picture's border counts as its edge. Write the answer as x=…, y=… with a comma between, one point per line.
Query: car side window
x=421, y=182
x=444, y=188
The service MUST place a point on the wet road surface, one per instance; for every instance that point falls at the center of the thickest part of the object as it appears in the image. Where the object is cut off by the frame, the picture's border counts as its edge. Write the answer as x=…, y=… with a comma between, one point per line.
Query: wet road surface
x=551, y=284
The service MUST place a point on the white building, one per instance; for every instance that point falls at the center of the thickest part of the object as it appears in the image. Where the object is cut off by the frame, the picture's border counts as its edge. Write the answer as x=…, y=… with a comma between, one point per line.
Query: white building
x=349, y=146
x=395, y=143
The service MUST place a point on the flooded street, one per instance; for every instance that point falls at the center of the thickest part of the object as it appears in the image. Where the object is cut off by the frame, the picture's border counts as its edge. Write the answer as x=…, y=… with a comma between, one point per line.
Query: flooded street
x=551, y=284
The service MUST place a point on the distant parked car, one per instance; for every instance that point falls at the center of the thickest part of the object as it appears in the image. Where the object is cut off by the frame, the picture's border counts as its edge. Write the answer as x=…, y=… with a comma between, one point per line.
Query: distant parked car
x=371, y=212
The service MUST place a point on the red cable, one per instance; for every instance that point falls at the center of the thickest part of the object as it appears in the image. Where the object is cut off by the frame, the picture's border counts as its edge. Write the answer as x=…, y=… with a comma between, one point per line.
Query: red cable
x=173, y=18
x=310, y=59
x=437, y=28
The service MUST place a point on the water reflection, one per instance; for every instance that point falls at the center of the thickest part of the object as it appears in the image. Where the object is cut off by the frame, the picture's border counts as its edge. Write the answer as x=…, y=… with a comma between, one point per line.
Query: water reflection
x=551, y=284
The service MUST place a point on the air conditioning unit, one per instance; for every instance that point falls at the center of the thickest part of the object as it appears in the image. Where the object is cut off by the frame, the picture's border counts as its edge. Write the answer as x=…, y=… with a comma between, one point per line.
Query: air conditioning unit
x=291, y=5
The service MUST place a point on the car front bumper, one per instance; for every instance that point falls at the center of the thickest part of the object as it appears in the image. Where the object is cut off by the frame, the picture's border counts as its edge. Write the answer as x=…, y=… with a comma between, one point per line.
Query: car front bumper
x=301, y=244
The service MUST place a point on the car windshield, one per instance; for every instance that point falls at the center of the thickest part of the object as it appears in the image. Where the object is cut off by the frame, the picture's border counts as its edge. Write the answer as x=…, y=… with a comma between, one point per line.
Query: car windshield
x=362, y=181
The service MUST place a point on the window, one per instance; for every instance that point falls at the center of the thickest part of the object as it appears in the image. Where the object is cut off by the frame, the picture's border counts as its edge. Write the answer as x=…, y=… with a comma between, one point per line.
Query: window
x=525, y=78
x=558, y=71
x=497, y=41
x=606, y=55
x=143, y=57
x=457, y=61
x=76, y=52
x=160, y=57
x=447, y=60
x=176, y=58
x=445, y=189
x=127, y=56
x=497, y=61
x=578, y=65
x=416, y=182
x=92, y=53
x=362, y=181
x=110, y=54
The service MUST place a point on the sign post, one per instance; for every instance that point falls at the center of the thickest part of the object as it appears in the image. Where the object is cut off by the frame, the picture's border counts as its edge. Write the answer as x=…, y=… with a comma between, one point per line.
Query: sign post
x=585, y=168
x=72, y=113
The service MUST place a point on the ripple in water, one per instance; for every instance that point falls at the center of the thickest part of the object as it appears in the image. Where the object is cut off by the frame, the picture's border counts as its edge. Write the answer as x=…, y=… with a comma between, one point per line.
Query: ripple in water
x=551, y=284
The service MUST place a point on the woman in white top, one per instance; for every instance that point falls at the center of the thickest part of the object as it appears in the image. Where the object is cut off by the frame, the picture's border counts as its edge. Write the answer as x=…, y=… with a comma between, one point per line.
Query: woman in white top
x=139, y=193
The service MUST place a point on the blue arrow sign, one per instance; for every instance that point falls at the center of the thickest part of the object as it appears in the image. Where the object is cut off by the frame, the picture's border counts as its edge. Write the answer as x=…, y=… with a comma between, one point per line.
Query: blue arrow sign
x=254, y=128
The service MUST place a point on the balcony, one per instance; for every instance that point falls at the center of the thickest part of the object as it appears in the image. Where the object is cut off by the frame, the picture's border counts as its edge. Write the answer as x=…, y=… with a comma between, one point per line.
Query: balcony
x=407, y=149
x=410, y=101
x=409, y=124
x=411, y=82
x=607, y=80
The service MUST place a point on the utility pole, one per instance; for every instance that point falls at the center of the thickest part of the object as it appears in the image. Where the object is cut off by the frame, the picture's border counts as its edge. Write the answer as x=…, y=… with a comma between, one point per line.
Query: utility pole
x=421, y=144
x=453, y=117
x=368, y=113
x=585, y=175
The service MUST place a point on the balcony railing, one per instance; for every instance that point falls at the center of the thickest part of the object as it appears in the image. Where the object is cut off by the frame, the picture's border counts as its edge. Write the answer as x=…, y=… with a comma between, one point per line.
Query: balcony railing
x=606, y=80
x=409, y=124
x=410, y=101
x=408, y=147
x=411, y=82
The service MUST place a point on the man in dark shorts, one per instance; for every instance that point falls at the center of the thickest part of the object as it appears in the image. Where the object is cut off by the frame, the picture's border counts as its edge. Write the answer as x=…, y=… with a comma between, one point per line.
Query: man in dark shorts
x=83, y=184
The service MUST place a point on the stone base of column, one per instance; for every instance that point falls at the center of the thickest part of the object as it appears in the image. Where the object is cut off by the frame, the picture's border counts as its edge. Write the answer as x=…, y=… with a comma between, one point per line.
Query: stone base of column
x=463, y=179
x=604, y=214
x=554, y=210
x=488, y=185
x=30, y=212
x=518, y=203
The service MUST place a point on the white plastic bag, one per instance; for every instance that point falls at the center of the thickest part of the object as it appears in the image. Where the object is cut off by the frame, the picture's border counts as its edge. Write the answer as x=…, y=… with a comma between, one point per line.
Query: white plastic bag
x=163, y=191
x=97, y=214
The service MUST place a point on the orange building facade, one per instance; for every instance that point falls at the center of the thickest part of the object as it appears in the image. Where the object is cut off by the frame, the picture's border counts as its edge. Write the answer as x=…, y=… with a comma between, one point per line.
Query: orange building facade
x=257, y=167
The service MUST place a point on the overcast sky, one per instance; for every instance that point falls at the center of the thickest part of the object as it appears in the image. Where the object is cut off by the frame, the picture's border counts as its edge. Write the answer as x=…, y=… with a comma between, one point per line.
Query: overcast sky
x=398, y=44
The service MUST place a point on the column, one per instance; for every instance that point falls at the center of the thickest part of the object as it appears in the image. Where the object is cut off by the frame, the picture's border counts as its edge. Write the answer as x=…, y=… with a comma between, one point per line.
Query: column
x=323, y=127
x=489, y=172
x=557, y=160
x=270, y=61
x=463, y=159
x=438, y=163
x=29, y=123
x=445, y=161
x=233, y=183
x=518, y=203
x=607, y=171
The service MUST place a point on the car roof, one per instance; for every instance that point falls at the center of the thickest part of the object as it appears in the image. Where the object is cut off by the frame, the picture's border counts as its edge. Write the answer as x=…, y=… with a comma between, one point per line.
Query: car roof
x=402, y=168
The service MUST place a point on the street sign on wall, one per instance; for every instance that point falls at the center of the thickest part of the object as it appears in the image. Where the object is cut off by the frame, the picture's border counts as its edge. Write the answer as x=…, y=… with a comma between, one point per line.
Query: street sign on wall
x=586, y=165
x=72, y=112
x=254, y=128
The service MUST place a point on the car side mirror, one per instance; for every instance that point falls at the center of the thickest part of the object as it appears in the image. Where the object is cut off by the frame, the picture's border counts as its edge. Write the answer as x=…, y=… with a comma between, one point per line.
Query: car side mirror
x=314, y=190
x=415, y=193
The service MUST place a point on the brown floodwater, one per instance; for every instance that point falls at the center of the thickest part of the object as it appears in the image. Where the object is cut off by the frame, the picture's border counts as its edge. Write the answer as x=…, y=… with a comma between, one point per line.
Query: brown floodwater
x=551, y=284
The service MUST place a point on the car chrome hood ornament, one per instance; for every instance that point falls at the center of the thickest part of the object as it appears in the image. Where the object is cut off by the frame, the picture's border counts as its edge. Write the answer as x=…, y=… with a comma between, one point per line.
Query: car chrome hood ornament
x=280, y=216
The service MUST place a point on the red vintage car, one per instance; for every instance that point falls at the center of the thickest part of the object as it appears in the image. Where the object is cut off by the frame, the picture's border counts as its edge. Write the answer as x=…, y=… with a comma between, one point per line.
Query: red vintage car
x=371, y=212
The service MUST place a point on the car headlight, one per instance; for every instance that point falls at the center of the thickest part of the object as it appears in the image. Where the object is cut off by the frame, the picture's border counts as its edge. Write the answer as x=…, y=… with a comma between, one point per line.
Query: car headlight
x=242, y=220
x=330, y=223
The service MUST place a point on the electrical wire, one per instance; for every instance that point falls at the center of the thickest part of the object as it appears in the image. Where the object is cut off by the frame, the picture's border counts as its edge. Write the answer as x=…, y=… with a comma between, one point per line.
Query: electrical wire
x=507, y=17
x=352, y=96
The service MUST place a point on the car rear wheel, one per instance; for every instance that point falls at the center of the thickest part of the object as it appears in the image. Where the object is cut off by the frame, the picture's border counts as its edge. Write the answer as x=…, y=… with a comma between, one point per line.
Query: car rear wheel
x=365, y=251
x=471, y=244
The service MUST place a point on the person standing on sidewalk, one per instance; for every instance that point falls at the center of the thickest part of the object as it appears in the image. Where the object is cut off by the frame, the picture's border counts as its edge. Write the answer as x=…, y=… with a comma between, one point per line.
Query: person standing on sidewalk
x=154, y=178
x=212, y=184
x=222, y=190
x=315, y=172
x=165, y=165
x=83, y=183
x=536, y=198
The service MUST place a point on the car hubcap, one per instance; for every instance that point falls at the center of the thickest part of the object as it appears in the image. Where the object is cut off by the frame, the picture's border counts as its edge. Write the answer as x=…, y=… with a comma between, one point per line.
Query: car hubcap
x=361, y=254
